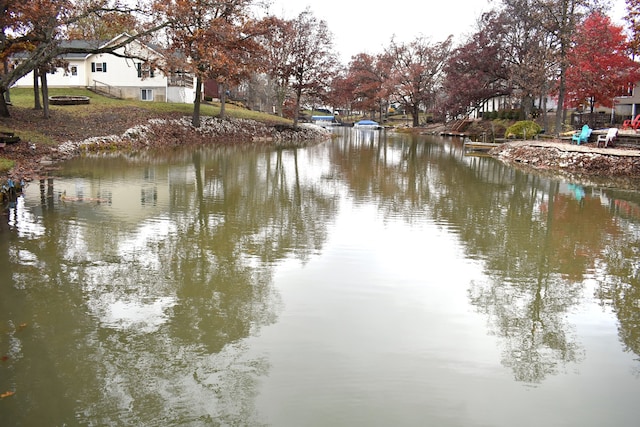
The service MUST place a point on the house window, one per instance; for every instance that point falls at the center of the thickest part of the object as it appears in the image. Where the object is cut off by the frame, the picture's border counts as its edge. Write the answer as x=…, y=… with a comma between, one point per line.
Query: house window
x=145, y=70
x=146, y=94
x=98, y=67
x=74, y=70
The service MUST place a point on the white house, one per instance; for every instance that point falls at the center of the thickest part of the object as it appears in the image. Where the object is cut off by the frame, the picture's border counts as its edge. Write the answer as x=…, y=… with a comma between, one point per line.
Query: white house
x=130, y=76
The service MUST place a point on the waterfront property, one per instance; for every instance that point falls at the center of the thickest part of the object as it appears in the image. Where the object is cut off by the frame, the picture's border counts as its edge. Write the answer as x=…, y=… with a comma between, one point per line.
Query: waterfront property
x=130, y=73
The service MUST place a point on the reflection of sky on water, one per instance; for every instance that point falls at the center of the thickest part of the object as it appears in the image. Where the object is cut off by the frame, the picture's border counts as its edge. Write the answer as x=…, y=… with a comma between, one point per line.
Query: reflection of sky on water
x=24, y=220
x=136, y=247
x=139, y=316
x=131, y=295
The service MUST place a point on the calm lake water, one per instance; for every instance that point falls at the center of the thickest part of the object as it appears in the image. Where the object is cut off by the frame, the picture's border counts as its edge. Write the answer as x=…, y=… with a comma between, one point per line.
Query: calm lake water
x=373, y=280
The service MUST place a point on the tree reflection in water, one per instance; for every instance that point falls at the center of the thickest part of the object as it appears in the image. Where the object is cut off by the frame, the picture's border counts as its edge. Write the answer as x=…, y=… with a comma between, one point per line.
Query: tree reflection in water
x=142, y=314
x=538, y=243
x=619, y=285
x=140, y=311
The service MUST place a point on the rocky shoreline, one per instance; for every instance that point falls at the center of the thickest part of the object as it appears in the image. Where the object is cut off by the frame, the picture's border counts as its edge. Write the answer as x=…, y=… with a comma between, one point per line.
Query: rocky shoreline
x=157, y=133
x=576, y=162
x=584, y=163
x=34, y=161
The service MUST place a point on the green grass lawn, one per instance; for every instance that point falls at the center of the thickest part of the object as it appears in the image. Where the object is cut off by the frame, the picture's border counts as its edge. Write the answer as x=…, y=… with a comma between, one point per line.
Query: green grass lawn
x=23, y=97
x=5, y=164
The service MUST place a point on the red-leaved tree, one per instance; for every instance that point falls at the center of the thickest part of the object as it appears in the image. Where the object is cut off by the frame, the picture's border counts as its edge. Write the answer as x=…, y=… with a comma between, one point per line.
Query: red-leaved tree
x=368, y=74
x=599, y=64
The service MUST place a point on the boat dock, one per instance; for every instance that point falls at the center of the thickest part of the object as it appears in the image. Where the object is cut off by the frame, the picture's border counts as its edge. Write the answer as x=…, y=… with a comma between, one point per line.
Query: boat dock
x=480, y=146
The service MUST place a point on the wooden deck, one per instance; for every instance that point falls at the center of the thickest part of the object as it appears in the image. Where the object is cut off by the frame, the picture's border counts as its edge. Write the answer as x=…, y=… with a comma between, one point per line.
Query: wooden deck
x=480, y=146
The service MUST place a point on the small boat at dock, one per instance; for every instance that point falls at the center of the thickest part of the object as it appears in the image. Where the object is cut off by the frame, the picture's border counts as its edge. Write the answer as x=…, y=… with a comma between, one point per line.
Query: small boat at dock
x=325, y=121
x=367, y=124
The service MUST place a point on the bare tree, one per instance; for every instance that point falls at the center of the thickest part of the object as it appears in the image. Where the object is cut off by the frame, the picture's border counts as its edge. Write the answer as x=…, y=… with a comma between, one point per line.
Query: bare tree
x=477, y=70
x=632, y=18
x=313, y=62
x=559, y=18
x=550, y=25
x=278, y=46
x=528, y=49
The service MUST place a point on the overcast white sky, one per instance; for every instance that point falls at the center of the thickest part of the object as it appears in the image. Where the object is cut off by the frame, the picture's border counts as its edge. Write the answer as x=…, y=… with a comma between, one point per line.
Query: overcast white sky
x=367, y=26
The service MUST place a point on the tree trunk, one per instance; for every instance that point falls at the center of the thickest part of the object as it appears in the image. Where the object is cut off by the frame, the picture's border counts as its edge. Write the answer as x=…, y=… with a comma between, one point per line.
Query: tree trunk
x=195, y=119
x=565, y=31
x=560, y=107
x=545, y=118
x=4, y=109
x=296, y=111
x=527, y=106
x=415, y=112
x=7, y=94
x=45, y=94
x=36, y=90
x=223, y=100
x=281, y=94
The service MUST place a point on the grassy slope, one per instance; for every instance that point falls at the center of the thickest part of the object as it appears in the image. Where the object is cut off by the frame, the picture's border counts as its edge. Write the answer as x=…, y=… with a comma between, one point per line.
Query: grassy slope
x=30, y=126
x=23, y=98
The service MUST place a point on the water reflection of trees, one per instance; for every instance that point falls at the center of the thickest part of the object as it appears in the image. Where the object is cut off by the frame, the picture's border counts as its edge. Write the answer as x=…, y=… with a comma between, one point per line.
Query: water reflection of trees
x=536, y=239
x=619, y=285
x=135, y=321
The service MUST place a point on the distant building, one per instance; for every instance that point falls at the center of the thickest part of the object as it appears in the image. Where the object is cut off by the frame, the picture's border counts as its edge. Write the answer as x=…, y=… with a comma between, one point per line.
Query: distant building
x=123, y=75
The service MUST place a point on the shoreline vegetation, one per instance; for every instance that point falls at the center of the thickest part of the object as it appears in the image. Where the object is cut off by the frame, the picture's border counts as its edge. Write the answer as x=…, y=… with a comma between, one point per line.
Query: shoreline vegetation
x=583, y=164
x=34, y=161
x=108, y=125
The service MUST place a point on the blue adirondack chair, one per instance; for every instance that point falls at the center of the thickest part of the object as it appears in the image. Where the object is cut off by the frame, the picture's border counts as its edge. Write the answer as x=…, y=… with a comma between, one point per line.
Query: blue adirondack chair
x=582, y=136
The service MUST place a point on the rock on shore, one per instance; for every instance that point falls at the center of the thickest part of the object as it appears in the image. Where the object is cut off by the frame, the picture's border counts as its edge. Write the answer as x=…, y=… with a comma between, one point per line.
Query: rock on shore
x=36, y=160
x=571, y=160
x=174, y=132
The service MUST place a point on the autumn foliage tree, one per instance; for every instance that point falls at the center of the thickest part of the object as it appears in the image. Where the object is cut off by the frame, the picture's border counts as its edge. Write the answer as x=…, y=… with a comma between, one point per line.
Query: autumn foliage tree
x=599, y=65
x=341, y=92
x=103, y=25
x=212, y=39
x=26, y=27
x=416, y=73
x=233, y=52
x=367, y=75
x=476, y=71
